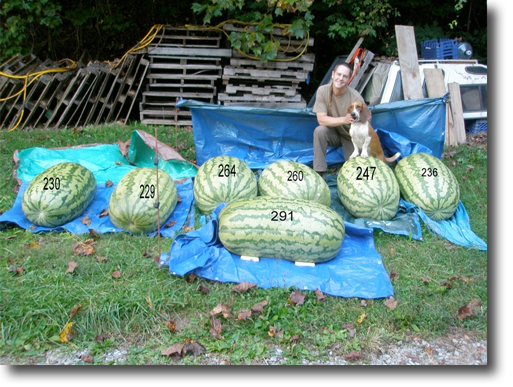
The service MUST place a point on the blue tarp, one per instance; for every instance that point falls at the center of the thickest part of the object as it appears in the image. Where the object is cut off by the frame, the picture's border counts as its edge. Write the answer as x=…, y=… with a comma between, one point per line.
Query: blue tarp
x=261, y=136
x=357, y=271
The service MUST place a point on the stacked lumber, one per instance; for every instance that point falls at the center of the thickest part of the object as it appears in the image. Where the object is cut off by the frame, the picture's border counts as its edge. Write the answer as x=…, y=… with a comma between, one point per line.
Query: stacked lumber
x=273, y=84
x=92, y=94
x=185, y=63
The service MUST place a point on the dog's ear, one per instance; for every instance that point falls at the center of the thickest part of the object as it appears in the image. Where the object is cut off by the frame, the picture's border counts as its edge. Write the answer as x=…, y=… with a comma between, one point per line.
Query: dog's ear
x=365, y=114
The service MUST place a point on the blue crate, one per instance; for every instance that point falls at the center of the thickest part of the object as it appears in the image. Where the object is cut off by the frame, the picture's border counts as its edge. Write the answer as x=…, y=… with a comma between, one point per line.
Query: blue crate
x=439, y=49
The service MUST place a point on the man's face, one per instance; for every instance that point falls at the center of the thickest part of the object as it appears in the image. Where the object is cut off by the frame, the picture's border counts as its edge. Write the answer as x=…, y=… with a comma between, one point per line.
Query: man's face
x=340, y=76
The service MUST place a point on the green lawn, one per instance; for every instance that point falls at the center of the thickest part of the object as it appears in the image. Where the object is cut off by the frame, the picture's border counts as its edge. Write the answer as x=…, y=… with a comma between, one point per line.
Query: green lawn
x=148, y=310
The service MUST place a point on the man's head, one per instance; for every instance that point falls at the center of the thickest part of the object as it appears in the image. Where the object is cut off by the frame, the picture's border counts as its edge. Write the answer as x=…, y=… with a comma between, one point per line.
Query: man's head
x=340, y=76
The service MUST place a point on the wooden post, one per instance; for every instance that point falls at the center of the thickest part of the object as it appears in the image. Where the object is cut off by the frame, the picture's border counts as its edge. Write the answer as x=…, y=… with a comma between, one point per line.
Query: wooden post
x=457, y=112
x=408, y=59
x=435, y=86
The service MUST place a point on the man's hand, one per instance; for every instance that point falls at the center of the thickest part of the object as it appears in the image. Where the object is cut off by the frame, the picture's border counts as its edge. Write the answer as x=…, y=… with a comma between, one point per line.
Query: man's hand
x=328, y=121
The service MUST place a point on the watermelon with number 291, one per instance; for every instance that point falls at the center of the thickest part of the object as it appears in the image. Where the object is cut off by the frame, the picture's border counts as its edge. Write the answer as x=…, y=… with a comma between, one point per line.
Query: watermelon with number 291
x=59, y=194
x=132, y=205
x=428, y=183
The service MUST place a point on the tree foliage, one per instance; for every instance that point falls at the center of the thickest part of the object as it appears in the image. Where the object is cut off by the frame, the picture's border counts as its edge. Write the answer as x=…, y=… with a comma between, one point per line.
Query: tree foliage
x=105, y=29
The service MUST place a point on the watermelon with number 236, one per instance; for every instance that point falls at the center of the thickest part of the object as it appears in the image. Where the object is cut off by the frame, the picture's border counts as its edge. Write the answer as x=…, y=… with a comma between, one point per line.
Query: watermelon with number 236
x=426, y=182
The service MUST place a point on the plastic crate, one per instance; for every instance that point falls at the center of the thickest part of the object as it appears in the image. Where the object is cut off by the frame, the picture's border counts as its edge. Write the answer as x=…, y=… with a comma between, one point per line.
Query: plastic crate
x=440, y=49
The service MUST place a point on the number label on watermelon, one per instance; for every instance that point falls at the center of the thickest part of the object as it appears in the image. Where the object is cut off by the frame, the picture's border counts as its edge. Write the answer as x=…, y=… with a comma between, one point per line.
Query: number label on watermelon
x=282, y=216
x=52, y=184
x=147, y=191
x=226, y=170
x=429, y=172
x=364, y=174
x=295, y=176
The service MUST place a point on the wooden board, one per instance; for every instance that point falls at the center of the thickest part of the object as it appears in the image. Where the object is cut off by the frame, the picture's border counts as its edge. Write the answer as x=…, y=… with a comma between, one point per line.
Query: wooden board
x=457, y=112
x=408, y=59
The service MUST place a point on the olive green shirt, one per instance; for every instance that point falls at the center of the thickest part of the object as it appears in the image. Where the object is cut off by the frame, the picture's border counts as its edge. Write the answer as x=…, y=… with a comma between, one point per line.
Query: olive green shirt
x=338, y=106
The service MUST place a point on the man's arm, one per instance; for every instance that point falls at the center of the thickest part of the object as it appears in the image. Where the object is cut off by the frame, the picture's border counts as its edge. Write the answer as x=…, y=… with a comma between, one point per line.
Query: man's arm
x=325, y=120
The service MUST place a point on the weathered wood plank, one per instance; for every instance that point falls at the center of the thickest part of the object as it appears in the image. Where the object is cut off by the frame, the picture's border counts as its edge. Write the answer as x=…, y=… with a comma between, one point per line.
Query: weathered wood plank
x=408, y=59
x=457, y=112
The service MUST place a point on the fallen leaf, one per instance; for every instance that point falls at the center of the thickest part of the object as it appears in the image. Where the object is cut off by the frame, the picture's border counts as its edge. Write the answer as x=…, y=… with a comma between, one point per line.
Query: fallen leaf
x=243, y=287
x=391, y=303
x=446, y=284
x=108, y=184
x=190, y=278
x=86, y=220
x=171, y=325
x=204, y=289
x=104, y=213
x=429, y=351
x=94, y=234
x=116, y=274
x=170, y=224
x=174, y=350
x=259, y=307
x=363, y=303
x=348, y=326
x=33, y=245
x=67, y=333
x=243, y=314
x=320, y=295
x=221, y=309
x=468, y=309
x=216, y=327
x=273, y=331
x=71, y=266
x=294, y=339
x=425, y=280
x=393, y=275
x=101, y=259
x=101, y=338
x=361, y=318
x=194, y=347
x=17, y=270
x=353, y=356
x=117, y=163
x=74, y=311
x=297, y=298
x=87, y=358
x=85, y=248
x=179, y=199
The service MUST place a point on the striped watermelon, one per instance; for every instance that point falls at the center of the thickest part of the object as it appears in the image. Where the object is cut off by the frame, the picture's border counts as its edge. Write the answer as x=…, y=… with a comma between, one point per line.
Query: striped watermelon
x=223, y=179
x=368, y=188
x=132, y=203
x=58, y=195
x=426, y=182
x=292, y=229
x=293, y=180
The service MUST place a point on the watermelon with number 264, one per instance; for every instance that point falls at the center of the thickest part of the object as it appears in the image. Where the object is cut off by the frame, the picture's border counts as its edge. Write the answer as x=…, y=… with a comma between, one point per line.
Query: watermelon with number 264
x=222, y=179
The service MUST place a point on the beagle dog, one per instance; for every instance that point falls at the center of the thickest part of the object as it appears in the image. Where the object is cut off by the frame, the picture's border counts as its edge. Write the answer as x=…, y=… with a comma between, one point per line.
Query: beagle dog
x=363, y=136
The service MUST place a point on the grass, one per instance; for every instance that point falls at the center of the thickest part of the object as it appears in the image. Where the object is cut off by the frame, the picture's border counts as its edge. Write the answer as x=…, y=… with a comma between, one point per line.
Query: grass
x=434, y=278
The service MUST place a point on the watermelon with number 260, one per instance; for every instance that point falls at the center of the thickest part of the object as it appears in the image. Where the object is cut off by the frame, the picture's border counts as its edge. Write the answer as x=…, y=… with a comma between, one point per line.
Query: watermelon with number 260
x=132, y=205
x=59, y=194
x=293, y=180
x=428, y=183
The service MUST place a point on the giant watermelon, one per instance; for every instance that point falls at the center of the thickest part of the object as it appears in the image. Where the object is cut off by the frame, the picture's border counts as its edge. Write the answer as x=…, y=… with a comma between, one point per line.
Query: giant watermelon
x=427, y=182
x=293, y=180
x=59, y=194
x=223, y=179
x=293, y=229
x=368, y=188
x=132, y=203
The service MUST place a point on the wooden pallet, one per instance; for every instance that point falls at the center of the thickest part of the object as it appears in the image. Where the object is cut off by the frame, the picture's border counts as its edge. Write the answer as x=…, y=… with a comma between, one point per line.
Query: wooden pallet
x=187, y=37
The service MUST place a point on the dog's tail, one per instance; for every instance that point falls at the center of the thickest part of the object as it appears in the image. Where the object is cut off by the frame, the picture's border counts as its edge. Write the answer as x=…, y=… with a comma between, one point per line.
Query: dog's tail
x=392, y=158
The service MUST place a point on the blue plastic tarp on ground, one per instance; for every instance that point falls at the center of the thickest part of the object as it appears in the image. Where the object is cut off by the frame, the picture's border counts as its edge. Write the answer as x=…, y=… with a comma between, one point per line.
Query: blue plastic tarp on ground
x=99, y=223
x=357, y=271
x=261, y=136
